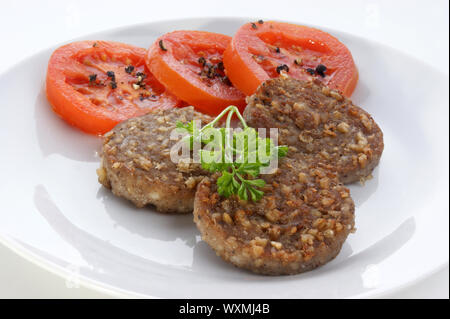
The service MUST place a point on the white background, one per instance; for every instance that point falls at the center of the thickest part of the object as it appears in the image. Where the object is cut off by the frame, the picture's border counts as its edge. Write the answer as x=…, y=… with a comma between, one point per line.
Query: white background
x=420, y=28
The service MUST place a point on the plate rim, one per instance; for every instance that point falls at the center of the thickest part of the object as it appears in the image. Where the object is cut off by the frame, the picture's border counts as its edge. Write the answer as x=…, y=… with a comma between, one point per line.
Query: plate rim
x=135, y=25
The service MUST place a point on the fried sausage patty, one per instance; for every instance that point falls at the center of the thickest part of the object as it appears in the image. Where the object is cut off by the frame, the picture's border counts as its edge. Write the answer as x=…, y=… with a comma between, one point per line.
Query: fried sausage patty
x=300, y=223
x=136, y=162
x=319, y=125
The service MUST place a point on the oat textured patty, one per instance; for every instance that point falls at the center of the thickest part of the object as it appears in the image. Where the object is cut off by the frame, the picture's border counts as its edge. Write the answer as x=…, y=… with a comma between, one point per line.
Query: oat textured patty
x=300, y=223
x=319, y=125
x=136, y=162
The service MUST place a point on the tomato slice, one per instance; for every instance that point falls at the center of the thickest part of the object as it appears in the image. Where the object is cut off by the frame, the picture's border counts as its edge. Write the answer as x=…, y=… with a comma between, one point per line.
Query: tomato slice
x=94, y=85
x=263, y=50
x=189, y=64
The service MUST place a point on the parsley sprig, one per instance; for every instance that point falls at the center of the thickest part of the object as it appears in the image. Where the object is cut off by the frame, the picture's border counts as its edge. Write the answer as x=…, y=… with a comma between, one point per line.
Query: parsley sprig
x=239, y=155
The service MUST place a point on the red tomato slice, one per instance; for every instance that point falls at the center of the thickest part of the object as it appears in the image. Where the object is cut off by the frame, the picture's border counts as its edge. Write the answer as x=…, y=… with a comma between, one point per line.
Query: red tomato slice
x=95, y=85
x=189, y=64
x=262, y=50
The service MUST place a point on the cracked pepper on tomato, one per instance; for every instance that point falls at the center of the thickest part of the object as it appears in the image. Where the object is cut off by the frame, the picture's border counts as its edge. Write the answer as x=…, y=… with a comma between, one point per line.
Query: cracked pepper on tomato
x=95, y=85
x=189, y=64
x=263, y=50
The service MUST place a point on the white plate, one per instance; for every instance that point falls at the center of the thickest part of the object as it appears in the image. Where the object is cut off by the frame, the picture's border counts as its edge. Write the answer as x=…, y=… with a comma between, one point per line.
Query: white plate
x=56, y=214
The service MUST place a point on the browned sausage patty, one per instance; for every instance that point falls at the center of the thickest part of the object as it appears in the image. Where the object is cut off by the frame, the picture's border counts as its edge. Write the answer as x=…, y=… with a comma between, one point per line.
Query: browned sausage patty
x=300, y=223
x=136, y=162
x=319, y=125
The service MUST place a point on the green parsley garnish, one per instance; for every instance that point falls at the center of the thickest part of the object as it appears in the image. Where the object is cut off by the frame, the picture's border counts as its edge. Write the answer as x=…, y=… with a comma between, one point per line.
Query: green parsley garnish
x=239, y=155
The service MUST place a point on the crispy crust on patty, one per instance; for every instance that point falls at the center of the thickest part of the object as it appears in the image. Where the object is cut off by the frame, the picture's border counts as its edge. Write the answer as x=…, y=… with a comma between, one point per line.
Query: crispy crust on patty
x=136, y=162
x=300, y=223
x=319, y=125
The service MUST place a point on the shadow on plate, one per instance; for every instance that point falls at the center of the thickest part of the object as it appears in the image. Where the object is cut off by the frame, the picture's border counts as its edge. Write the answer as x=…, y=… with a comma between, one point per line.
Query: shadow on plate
x=361, y=94
x=142, y=221
x=104, y=259
x=110, y=262
x=361, y=193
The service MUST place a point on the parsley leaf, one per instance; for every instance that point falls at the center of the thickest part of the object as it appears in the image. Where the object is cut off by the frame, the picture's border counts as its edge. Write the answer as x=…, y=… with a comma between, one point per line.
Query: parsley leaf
x=238, y=157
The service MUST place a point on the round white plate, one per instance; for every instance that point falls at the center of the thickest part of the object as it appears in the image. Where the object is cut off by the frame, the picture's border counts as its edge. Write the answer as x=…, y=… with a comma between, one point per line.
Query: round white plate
x=56, y=214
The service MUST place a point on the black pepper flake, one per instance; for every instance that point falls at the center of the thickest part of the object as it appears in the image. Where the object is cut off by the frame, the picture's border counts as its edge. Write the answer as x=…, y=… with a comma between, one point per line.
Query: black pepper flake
x=277, y=50
x=226, y=81
x=311, y=71
x=162, y=46
x=211, y=72
x=254, y=26
x=282, y=67
x=92, y=78
x=129, y=69
x=298, y=61
x=202, y=61
x=140, y=84
x=110, y=74
x=260, y=21
x=95, y=45
x=321, y=69
x=141, y=74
